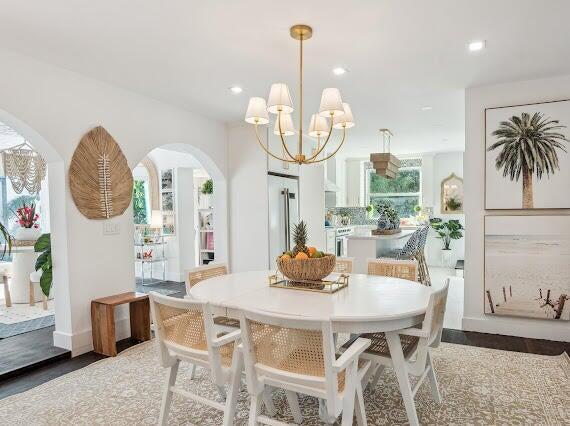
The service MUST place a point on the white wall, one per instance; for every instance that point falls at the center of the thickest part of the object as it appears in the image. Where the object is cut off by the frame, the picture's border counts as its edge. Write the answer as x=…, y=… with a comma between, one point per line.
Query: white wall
x=53, y=108
x=476, y=100
x=248, y=200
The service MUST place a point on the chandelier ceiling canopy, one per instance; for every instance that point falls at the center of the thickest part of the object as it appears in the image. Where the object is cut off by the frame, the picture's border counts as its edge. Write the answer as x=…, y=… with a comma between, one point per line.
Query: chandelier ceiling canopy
x=332, y=114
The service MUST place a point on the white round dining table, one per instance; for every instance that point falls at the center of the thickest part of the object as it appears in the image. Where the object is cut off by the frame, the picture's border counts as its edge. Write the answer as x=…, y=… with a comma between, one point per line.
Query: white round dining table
x=369, y=304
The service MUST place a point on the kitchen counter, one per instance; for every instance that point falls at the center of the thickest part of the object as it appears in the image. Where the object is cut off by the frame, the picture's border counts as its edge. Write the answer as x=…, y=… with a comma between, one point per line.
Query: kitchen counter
x=369, y=236
x=363, y=246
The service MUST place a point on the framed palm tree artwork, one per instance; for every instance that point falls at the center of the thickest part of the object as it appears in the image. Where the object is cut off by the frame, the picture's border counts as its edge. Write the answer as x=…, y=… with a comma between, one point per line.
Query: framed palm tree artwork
x=527, y=159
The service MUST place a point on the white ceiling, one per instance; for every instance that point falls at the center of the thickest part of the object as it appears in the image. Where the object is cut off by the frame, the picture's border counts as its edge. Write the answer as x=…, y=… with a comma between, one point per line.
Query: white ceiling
x=402, y=54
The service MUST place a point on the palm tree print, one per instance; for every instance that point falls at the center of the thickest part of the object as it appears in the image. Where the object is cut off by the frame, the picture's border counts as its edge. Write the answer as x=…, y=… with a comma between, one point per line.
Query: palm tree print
x=529, y=146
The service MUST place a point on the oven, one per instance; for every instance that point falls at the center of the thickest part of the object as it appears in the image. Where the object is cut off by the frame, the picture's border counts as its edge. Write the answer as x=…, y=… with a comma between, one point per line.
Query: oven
x=341, y=241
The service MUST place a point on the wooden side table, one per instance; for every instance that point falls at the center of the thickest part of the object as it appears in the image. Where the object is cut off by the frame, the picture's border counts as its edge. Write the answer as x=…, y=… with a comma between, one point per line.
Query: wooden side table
x=103, y=320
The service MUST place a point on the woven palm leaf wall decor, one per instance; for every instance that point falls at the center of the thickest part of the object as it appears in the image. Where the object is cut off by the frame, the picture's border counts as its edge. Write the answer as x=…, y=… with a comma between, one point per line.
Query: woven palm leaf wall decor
x=100, y=178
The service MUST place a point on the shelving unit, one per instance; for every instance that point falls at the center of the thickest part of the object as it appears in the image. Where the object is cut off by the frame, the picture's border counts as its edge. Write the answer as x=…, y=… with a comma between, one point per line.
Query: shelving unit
x=205, y=232
x=158, y=242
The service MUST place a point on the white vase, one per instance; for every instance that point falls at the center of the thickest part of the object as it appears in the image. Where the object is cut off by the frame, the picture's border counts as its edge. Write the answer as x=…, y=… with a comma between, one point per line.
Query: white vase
x=27, y=234
x=447, y=257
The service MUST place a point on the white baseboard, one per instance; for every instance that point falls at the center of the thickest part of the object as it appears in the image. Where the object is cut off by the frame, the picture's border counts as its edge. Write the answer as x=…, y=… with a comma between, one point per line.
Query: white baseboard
x=520, y=327
x=82, y=342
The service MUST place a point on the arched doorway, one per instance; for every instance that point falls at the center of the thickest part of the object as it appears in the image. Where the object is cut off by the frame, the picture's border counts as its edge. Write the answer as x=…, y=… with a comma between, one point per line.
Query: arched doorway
x=179, y=216
x=37, y=211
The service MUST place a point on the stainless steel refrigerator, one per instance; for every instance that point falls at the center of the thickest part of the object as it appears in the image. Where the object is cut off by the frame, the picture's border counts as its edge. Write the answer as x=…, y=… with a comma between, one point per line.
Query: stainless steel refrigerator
x=283, y=214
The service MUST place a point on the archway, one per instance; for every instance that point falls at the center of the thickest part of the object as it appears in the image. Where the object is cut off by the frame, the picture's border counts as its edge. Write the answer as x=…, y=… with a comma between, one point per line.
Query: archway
x=174, y=214
x=53, y=204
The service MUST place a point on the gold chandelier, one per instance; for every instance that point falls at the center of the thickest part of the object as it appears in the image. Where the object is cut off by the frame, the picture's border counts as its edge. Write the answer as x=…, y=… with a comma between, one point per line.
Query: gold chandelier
x=333, y=113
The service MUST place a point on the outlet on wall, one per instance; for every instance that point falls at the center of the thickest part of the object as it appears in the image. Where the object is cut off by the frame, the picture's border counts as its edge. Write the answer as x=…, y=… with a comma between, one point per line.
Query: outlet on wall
x=111, y=228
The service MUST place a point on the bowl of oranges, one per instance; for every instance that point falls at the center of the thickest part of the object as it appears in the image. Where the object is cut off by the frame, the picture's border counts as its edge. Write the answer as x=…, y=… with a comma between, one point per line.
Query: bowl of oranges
x=305, y=263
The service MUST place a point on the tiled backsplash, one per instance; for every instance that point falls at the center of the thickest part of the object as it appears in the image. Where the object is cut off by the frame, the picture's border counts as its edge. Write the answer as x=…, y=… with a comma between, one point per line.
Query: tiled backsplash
x=358, y=215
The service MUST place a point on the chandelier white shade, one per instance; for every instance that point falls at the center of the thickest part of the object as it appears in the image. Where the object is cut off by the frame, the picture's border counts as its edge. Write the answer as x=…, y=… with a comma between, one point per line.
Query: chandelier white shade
x=318, y=126
x=257, y=112
x=331, y=103
x=332, y=113
x=287, y=127
x=345, y=120
x=280, y=99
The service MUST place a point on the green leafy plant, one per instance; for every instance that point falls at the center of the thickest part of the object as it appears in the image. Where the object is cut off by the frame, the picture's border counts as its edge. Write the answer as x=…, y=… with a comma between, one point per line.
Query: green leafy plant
x=208, y=187
x=453, y=204
x=43, y=262
x=529, y=146
x=7, y=243
x=418, y=209
x=139, y=202
x=386, y=209
x=447, y=231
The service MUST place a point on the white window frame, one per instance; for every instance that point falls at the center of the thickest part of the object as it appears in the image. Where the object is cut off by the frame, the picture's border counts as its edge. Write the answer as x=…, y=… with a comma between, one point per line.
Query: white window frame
x=368, y=171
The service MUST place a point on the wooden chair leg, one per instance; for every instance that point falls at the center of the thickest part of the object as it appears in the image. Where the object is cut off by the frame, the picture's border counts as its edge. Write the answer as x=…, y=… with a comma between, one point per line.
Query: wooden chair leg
x=433, y=380
x=255, y=409
x=360, y=410
x=349, y=394
x=167, y=396
x=7, y=297
x=293, y=402
x=32, y=294
x=268, y=401
x=400, y=369
x=44, y=302
x=235, y=382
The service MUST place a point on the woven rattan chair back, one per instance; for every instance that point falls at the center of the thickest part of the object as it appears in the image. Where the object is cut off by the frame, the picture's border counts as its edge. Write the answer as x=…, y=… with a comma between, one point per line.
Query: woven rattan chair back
x=405, y=269
x=344, y=265
x=411, y=246
x=183, y=327
x=202, y=273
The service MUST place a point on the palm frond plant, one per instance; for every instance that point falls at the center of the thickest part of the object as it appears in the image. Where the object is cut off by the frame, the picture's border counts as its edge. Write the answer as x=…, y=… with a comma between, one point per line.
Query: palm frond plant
x=447, y=231
x=529, y=146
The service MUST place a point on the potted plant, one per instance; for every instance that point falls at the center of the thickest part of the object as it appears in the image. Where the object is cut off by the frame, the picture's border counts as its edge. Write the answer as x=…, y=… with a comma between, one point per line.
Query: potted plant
x=43, y=262
x=206, y=192
x=27, y=218
x=389, y=218
x=447, y=231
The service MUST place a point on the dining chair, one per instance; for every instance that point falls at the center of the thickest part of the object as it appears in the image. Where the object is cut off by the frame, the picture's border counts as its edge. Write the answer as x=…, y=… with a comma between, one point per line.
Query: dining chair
x=419, y=255
x=185, y=332
x=387, y=267
x=298, y=355
x=344, y=265
x=201, y=273
x=408, y=352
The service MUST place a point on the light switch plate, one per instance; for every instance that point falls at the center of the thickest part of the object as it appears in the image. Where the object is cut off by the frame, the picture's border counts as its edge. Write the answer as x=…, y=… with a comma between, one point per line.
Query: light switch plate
x=111, y=228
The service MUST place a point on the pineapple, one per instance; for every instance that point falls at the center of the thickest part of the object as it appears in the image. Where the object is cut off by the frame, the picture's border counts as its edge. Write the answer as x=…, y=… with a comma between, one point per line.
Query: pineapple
x=300, y=239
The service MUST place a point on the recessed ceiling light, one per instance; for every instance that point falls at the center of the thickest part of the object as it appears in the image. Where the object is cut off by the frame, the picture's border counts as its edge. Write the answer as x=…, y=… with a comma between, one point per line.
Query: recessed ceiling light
x=339, y=71
x=427, y=108
x=476, y=45
x=236, y=90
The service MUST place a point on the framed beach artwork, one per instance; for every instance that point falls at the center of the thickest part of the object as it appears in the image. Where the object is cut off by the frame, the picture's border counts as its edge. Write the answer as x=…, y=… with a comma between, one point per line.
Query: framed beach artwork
x=527, y=159
x=527, y=266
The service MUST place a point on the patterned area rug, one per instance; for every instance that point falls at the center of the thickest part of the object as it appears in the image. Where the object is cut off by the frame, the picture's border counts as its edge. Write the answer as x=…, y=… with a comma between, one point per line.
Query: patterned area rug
x=478, y=386
x=21, y=318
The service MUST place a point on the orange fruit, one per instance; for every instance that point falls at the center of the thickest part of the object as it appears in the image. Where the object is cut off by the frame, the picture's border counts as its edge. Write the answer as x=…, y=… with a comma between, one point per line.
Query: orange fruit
x=286, y=257
x=312, y=251
x=301, y=255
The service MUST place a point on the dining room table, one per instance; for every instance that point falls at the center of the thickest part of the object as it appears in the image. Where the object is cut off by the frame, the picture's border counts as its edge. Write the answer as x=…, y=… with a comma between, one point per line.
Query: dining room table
x=368, y=304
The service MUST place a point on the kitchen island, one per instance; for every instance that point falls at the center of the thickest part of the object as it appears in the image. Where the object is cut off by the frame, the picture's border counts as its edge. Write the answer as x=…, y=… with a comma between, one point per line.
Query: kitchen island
x=366, y=246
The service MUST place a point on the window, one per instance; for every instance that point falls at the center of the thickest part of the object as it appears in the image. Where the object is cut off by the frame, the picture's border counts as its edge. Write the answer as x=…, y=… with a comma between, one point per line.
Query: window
x=404, y=191
x=140, y=210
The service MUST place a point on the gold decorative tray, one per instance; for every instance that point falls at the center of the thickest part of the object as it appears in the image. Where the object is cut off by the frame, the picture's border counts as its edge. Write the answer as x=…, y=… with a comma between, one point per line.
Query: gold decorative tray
x=320, y=286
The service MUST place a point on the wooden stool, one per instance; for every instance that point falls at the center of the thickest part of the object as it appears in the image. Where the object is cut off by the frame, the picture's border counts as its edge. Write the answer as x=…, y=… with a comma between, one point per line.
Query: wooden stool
x=103, y=320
